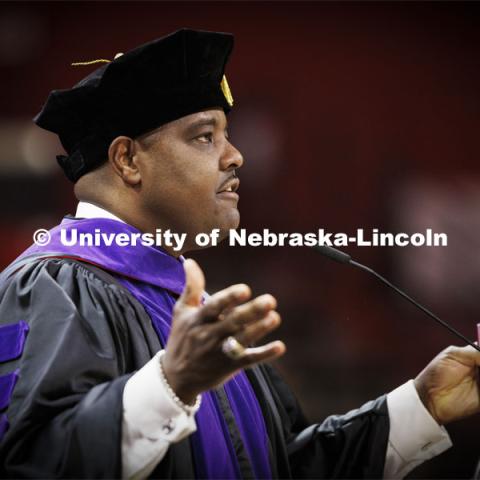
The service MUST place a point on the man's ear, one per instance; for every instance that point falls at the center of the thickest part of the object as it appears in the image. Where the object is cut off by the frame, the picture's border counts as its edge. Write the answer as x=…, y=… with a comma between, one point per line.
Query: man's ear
x=121, y=155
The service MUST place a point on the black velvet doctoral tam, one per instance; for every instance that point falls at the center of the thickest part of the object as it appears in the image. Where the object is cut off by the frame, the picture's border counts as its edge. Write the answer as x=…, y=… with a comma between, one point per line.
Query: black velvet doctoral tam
x=138, y=91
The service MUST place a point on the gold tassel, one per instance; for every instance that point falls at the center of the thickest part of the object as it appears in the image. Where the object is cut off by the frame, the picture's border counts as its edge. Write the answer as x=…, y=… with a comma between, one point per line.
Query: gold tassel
x=93, y=62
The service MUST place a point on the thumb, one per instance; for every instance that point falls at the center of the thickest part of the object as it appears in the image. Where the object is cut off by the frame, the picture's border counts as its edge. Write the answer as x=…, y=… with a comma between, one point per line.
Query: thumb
x=194, y=284
x=466, y=355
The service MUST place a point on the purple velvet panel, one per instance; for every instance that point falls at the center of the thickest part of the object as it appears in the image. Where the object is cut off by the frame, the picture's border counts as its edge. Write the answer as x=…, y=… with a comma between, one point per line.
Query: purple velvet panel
x=12, y=340
x=7, y=384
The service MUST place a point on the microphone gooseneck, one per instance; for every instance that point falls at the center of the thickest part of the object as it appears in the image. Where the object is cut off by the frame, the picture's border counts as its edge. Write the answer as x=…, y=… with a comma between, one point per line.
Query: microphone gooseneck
x=344, y=258
x=333, y=253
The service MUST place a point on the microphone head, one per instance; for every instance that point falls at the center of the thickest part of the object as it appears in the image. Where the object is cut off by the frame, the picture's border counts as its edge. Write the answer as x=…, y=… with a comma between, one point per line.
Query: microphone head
x=333, y=253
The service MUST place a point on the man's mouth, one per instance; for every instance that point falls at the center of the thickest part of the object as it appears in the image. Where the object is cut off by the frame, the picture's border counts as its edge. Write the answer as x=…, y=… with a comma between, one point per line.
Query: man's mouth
x=229, y=188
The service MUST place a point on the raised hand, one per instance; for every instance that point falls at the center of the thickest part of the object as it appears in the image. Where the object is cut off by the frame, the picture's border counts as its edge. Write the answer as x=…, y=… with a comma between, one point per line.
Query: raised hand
x=194, y=360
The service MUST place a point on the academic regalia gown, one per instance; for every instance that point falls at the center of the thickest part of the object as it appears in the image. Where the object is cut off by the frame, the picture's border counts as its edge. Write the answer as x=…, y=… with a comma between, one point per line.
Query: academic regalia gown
x=86, y=334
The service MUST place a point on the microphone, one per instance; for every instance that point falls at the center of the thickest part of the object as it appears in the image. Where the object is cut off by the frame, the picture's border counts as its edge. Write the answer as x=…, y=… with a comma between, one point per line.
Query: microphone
x=343, y=257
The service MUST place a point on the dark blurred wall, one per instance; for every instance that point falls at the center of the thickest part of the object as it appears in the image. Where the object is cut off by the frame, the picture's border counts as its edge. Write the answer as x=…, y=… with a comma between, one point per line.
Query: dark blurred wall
x=350, y=115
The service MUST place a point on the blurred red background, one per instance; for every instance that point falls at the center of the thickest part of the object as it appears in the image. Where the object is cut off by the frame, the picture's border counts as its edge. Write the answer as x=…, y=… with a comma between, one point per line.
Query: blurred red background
x=349, y=115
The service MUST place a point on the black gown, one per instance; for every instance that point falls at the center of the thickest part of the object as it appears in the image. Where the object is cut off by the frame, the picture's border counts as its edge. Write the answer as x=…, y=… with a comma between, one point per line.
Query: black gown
x=87, y=336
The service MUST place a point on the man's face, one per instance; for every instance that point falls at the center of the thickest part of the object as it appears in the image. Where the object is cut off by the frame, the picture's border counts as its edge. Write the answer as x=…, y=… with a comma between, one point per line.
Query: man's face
x=187, y=169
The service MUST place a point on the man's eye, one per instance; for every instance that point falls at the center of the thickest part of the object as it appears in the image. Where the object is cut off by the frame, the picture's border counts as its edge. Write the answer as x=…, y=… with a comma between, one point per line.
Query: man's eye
x=206, y=137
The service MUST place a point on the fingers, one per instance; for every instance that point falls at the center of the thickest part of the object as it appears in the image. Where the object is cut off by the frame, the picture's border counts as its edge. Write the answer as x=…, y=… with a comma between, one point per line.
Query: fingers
x=265, y=353
x=253, y=310
x=224, y=300
x=256, y=331
x=465, y=355
x=194, y=284
x=236, y=319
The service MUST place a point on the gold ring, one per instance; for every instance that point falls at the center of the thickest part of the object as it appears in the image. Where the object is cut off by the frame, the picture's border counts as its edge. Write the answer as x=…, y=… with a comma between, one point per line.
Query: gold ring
x=232, y=348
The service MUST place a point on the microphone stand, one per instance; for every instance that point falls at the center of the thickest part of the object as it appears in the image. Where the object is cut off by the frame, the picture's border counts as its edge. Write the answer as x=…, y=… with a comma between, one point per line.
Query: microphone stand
x=343, y=257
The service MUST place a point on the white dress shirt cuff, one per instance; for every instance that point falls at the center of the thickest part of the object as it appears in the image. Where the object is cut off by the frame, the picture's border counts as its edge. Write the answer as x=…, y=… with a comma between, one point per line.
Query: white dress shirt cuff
x=151, y=421
x=414, y=434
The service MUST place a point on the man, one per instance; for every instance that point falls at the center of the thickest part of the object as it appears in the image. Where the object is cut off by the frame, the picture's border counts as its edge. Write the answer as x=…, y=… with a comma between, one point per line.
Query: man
x=114, y=360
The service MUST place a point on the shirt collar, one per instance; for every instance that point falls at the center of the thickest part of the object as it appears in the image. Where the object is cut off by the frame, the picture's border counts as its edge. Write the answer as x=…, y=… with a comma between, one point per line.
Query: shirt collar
x=89, y=210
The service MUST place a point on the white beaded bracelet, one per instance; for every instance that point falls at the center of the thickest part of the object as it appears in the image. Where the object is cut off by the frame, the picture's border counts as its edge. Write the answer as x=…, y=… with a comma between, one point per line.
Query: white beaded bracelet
x=188, y=409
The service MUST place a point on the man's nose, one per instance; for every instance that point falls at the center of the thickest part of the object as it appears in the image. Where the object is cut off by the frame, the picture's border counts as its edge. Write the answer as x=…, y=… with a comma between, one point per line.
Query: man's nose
x=231, y=158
